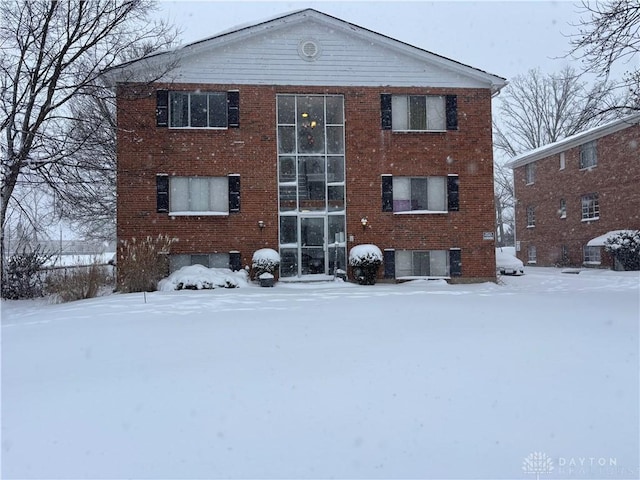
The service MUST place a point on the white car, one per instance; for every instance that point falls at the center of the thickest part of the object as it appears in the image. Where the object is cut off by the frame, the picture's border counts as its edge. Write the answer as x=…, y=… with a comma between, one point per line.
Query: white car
x=507, y=263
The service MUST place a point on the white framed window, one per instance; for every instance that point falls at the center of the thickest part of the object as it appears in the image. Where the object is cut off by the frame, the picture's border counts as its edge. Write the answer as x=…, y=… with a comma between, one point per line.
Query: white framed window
x=562, y=161
x=422, y=263
x=532, y=254
x=209, y=260
x=590, y=207
x=530, y=173
x=591, y=255
x=198, y=195
x=413, y=194
x=588, y=155
x=531, y=216
x=198, y=109
x=419, y=113
x=563, y=208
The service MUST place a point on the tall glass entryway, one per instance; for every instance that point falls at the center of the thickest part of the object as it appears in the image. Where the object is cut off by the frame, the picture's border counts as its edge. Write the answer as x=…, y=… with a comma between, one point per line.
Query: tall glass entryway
x=311, y=188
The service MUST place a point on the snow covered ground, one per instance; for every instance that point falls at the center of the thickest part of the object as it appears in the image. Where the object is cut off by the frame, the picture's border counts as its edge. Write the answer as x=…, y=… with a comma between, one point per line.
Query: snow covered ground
x=533, y=377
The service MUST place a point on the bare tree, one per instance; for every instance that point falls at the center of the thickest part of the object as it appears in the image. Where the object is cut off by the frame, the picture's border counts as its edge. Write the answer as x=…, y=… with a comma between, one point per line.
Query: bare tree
x=51, y=53
x=608, y=35
x=537, y=109
x=505, y=204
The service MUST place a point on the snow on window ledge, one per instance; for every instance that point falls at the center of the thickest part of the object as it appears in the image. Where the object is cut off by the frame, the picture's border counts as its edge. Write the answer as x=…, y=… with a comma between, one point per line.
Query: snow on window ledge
x=198, y=214
x=532, y=262
x=590, y=219
x=592, y=263
x=421, y=212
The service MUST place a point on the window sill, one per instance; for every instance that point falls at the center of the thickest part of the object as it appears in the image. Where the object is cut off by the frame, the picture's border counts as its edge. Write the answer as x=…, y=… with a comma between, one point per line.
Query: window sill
x=586, y=169
x=198, y=214
x=592, y=263
x=406, y=278
x=199, y=128
x=531, y=226
x=563, y=217
x=532, y=262
x=419, y=131
x=530, y=183
x=590, y=219
x=421, y=212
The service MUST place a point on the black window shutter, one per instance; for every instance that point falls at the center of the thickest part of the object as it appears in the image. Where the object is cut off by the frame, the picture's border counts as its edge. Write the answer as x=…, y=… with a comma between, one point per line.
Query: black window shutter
x=162, y=108
x=452, y=112
x=235, y=262
x=162, y=193
x=233, y=109
x=389, y=259
x=387, y=193
x=453, y=196
x=455, y=262
x=234, y=193
x=385, y=110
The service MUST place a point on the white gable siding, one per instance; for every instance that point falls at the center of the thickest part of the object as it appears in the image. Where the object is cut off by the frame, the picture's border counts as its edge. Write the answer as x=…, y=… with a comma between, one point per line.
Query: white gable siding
x=271, y=58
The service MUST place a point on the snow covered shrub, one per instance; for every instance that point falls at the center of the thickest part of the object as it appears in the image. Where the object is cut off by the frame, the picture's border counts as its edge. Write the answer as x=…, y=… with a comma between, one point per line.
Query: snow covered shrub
x=78, y=283
x=365, y=260
x=23, y=275
x=624, y=247
x=199, y=277
x=143, y=263
x=265, y=260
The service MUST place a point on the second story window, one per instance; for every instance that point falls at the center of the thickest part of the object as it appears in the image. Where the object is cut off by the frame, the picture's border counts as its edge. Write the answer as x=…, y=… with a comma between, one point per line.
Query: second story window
x=588, y=155
x=531, y=216
x=590, y=207
x=530, y=173
x=563, y=208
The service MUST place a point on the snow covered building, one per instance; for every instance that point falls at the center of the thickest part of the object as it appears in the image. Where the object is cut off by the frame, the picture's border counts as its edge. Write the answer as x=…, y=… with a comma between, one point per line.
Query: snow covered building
x=309, y=135
x=570, y=194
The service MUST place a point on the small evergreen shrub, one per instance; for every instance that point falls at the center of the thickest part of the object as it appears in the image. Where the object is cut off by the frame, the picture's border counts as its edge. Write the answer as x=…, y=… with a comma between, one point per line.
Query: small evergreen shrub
x=625, y=247
x=143, y=263
x=265, y=260
x=365, y=260
x=23, y=276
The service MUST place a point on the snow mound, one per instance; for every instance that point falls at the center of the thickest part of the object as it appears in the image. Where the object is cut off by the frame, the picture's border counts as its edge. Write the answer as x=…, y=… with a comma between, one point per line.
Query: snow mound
x=199, y=277
x=266, y=255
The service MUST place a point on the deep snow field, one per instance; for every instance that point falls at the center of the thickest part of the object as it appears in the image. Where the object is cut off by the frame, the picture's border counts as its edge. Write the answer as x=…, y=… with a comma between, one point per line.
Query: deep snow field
x=534, y=377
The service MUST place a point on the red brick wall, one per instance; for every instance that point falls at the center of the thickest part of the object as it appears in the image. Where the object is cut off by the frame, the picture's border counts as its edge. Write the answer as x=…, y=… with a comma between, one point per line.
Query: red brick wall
x=251, y=151
x=615, y=179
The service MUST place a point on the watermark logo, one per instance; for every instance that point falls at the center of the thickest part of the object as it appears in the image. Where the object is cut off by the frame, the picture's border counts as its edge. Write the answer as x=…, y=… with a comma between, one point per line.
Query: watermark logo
x=537, y=463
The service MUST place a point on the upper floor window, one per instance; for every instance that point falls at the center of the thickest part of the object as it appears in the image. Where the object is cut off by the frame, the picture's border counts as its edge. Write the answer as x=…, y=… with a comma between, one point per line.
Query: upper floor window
x=420, y=113
x=590, y=207
x=530, y=173
x=588, y=155
x=198, y=195
x=531, y=216
x=562, y=161
x=563, y=208
x=420, y=194
x=197, y=109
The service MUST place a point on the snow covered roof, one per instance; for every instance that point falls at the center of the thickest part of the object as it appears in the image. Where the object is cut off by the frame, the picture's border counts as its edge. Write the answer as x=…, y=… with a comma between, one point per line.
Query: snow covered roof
x=287, y=21
x=599, y=241
x=574, y=140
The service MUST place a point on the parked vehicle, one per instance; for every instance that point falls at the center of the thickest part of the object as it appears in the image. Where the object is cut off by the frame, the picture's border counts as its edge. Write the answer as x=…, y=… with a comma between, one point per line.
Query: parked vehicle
x=507, y=263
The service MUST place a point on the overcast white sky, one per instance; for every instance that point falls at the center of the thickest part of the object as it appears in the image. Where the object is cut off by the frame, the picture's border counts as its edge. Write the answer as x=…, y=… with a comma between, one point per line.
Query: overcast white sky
x=503, y=38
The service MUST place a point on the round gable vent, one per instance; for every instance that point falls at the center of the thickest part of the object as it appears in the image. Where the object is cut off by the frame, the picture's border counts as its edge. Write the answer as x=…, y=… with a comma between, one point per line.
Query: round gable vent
x=309, y=50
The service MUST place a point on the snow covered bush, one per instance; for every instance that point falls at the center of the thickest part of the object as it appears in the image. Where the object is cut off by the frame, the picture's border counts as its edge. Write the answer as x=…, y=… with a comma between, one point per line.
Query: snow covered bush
x=23, y=275
x=142, y=263
x=265, y=260
x=365, y=260
x=624, y=247
x=199, y=277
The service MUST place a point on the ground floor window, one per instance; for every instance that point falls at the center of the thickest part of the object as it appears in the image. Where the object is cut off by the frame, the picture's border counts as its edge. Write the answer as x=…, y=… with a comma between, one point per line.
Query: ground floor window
x=421, y=263
x=209, y=260
x=532, y=254
x=592, y=255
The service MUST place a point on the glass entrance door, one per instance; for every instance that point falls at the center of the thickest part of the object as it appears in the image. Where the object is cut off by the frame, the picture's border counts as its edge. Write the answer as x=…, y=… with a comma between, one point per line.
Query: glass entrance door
x=312, y=246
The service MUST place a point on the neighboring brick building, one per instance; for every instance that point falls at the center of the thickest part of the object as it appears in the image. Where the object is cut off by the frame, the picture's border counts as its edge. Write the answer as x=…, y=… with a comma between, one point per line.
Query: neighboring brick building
x=573, y=191
x=310, y=135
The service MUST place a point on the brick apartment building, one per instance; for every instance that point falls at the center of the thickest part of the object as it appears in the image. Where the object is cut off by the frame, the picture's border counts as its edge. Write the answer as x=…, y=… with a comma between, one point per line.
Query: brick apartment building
x=309, y=135
x=572, y=193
